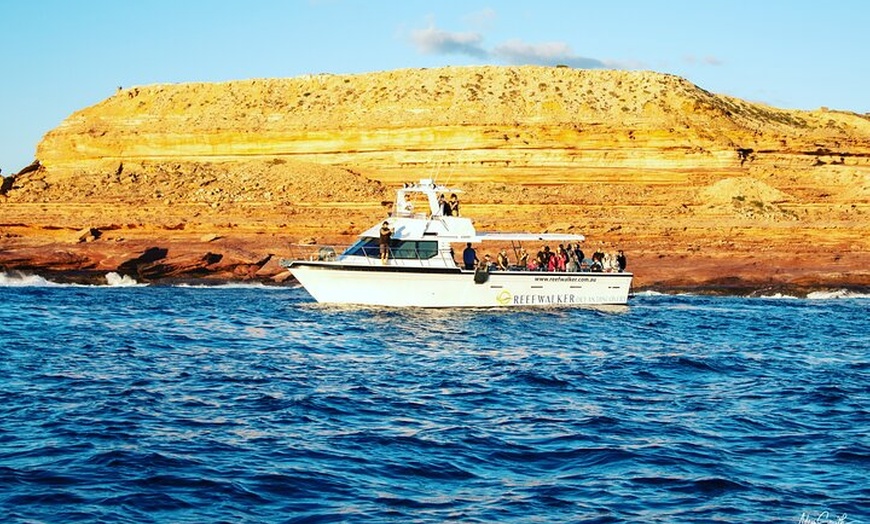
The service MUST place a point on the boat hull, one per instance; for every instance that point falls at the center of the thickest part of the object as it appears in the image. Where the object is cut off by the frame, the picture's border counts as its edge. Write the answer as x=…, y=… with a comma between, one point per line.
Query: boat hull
x=335, y=283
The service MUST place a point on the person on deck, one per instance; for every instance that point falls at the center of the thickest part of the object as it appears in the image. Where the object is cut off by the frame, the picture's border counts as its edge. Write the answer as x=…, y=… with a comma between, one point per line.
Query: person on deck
x=607, y=263
x=620, y=261
x=469, y=257
x=562, y=253
x=542, y=261
x=405, y=208
x=573, y=264
x=485, y=264
x=454, y=205
x=523, y=259
x=596, y=265
x=599, y=254
x=502, y=260
x=445, y=206
x=385, y=237
x=581, y=256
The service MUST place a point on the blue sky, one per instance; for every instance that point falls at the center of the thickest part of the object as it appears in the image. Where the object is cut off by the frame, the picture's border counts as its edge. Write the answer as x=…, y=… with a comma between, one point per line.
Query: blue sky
x=58, y=56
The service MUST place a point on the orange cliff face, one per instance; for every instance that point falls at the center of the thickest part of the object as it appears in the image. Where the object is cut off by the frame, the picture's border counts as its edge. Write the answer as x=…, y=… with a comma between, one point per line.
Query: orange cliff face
x=702, y=191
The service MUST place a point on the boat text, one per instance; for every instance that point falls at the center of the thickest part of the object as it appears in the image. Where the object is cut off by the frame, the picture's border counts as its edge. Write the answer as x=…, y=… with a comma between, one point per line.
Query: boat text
x=566, y=279
x=530, y=299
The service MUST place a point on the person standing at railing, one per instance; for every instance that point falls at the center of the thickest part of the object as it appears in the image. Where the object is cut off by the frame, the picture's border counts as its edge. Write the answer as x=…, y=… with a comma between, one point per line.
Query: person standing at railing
x=523, y=260
x=454, y=205
x=502, y=260
x=469, y=257
x=386, y=236
x=445, y=206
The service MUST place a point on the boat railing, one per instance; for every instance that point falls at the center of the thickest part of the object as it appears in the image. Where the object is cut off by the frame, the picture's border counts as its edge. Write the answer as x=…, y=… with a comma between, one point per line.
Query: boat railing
x=313, y=252
x=408, y=257
x=371, y=255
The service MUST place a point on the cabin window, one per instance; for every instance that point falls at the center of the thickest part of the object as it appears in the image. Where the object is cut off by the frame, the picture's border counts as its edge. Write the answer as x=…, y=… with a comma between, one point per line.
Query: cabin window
x=413, y=249
x=365, y=247
x=399, y=249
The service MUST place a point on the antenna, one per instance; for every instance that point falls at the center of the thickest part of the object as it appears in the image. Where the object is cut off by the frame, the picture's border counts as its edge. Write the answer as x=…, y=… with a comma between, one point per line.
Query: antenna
x=461, y=150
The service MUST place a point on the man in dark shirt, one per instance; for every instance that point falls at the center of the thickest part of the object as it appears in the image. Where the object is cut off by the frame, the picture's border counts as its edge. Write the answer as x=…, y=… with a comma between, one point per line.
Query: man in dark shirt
x=469, y=257
x=445, y=206
x=386, y=235
x=581, y=256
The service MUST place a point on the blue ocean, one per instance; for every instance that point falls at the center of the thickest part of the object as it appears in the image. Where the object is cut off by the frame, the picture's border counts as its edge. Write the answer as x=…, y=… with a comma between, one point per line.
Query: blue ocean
x=248, y=404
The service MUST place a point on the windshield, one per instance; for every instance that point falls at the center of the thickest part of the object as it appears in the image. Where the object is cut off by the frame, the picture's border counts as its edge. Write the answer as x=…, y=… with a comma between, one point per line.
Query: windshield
x=401, y=249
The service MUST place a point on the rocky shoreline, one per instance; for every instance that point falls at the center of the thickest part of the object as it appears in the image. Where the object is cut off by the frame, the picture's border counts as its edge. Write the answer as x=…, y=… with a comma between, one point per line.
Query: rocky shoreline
x=734, y=287
x=223, y=260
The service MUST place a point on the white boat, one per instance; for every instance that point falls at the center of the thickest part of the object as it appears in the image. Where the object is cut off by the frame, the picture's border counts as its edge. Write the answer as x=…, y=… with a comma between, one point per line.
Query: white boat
x=421, y=271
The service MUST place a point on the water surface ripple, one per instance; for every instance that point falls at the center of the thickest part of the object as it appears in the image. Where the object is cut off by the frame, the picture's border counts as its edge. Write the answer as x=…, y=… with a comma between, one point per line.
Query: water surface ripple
x=256, y=405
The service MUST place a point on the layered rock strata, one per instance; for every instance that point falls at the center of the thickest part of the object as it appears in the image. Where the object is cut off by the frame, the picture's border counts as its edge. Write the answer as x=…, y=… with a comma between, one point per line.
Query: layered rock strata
x=703, y=191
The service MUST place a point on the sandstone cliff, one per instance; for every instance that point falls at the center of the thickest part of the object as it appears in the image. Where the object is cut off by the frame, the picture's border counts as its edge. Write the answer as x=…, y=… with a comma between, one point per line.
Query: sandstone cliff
x=702, y=190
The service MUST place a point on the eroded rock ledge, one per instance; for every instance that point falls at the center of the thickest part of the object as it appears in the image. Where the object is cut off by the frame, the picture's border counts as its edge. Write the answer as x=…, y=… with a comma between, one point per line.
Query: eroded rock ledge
x=703, y=191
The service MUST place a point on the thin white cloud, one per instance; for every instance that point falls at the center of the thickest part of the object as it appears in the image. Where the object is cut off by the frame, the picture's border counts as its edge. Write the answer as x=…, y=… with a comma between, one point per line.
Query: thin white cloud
x=517, y=52
x=435, y=41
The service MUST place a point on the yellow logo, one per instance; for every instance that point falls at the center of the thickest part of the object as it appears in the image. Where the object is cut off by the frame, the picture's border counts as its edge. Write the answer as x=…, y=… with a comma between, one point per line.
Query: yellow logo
x=504, y=298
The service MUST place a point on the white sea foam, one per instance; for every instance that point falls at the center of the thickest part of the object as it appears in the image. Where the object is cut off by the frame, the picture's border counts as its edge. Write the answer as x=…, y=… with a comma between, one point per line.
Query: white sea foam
x=816, y=295
x=649, y=294
x=226, y=285
x=18, y=279
x=23, y=280
x=115, y=280
x=776, y=296
x=838, y=293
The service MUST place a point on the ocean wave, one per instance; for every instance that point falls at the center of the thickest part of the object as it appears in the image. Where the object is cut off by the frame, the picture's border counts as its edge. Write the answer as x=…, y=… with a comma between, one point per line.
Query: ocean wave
x=836, y=294
x=115, y=280
x=24, y=280
x=18, y=279
x=776, y=296
x=831, y=294
x=650, y=293
x=230, y=285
